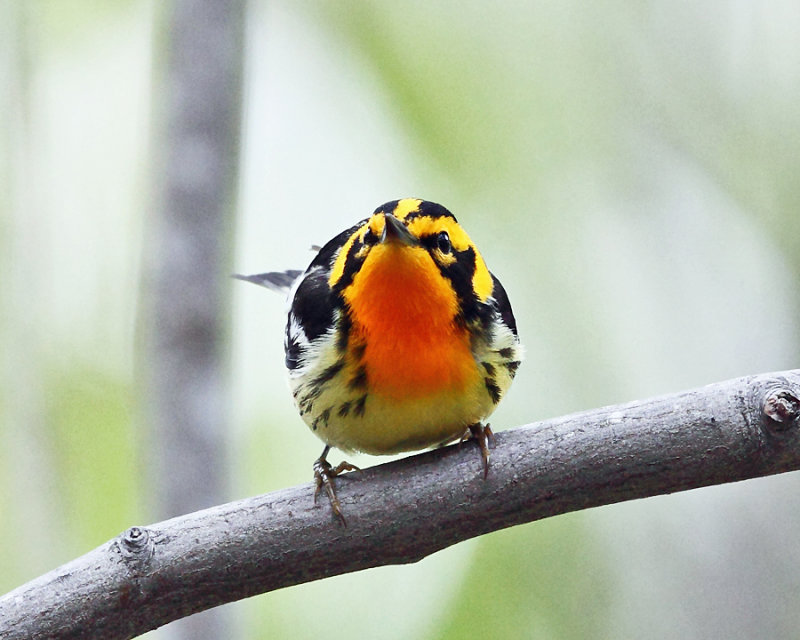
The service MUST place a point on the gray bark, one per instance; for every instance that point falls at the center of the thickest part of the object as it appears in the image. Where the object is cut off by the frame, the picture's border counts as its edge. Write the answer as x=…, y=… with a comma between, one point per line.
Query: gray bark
x=402, y=511
x=185, y=362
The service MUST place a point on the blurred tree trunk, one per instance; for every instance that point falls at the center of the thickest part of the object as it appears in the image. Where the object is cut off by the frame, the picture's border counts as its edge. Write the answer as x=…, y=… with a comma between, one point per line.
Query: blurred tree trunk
x=197, y=119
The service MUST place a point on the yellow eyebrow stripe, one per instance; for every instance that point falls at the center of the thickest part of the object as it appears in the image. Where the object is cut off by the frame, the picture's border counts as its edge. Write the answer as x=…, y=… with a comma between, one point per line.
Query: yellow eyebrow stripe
x=482, y=283
x=338, y=266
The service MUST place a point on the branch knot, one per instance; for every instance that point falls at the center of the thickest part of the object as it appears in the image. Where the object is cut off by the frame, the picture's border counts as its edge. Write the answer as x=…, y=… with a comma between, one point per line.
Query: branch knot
x=782, y=410
x=136, y=545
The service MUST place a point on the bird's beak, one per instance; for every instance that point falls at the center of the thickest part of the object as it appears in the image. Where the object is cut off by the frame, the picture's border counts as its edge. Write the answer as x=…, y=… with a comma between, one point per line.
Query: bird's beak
x=395, y=231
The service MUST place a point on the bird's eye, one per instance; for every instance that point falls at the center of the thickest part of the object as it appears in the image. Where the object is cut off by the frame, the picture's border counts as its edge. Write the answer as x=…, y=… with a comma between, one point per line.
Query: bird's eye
x=443, y=242
x=370, y=237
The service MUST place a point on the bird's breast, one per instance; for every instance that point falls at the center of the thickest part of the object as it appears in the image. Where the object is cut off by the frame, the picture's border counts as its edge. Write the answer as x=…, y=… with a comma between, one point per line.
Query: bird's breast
x=405, y=335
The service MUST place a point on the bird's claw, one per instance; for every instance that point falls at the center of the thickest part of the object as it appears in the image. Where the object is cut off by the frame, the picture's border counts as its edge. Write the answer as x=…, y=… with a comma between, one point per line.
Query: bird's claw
x=324, y=473
x=483, y=435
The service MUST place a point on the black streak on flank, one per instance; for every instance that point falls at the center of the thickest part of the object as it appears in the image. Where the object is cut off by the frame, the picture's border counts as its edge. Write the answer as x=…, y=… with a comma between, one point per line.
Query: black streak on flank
x=489, y=367
x=493, y=389
x=358, y=351
x=360, y=406
x=343, y=331
x=512, y=367
x=325, y=416
x=305, y=407
x=322, y=419
x=313, y=393
x=359, y=380
x=344, y=409
x=327, y=374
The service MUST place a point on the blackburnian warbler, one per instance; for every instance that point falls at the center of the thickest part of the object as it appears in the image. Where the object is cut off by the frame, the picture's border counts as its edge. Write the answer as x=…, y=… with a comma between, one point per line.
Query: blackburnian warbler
x=398, y=337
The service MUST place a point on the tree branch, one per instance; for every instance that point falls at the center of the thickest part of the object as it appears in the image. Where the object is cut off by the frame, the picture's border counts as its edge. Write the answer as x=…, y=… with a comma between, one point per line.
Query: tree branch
x=405, y=510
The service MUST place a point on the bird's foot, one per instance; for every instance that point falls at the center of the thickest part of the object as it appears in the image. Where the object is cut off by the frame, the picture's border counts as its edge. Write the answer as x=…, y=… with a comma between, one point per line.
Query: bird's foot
x=324, y=473
x=482, y=434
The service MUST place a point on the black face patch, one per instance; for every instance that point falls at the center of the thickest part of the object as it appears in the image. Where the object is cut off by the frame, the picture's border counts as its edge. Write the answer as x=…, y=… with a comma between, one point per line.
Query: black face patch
x=370, y=237
x=460, y=275
x=315, y=305
x=312, y=306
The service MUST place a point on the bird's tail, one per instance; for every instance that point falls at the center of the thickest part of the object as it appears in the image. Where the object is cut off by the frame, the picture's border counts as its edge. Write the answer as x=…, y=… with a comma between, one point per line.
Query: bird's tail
x=280, y=281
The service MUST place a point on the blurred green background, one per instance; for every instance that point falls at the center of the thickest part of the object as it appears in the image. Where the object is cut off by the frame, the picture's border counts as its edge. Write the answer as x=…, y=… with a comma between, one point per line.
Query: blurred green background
x=627, y=168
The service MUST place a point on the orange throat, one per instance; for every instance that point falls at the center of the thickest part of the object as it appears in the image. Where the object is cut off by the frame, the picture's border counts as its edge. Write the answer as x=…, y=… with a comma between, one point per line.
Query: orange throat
x=403, y=314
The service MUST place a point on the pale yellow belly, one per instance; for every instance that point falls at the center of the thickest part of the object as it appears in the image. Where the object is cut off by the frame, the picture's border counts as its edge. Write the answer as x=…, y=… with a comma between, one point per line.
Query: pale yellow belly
x=377, y=424
x=391, y=426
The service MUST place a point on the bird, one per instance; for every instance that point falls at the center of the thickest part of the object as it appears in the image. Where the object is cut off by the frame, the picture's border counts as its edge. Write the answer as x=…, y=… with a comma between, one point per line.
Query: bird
x=398, y=338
